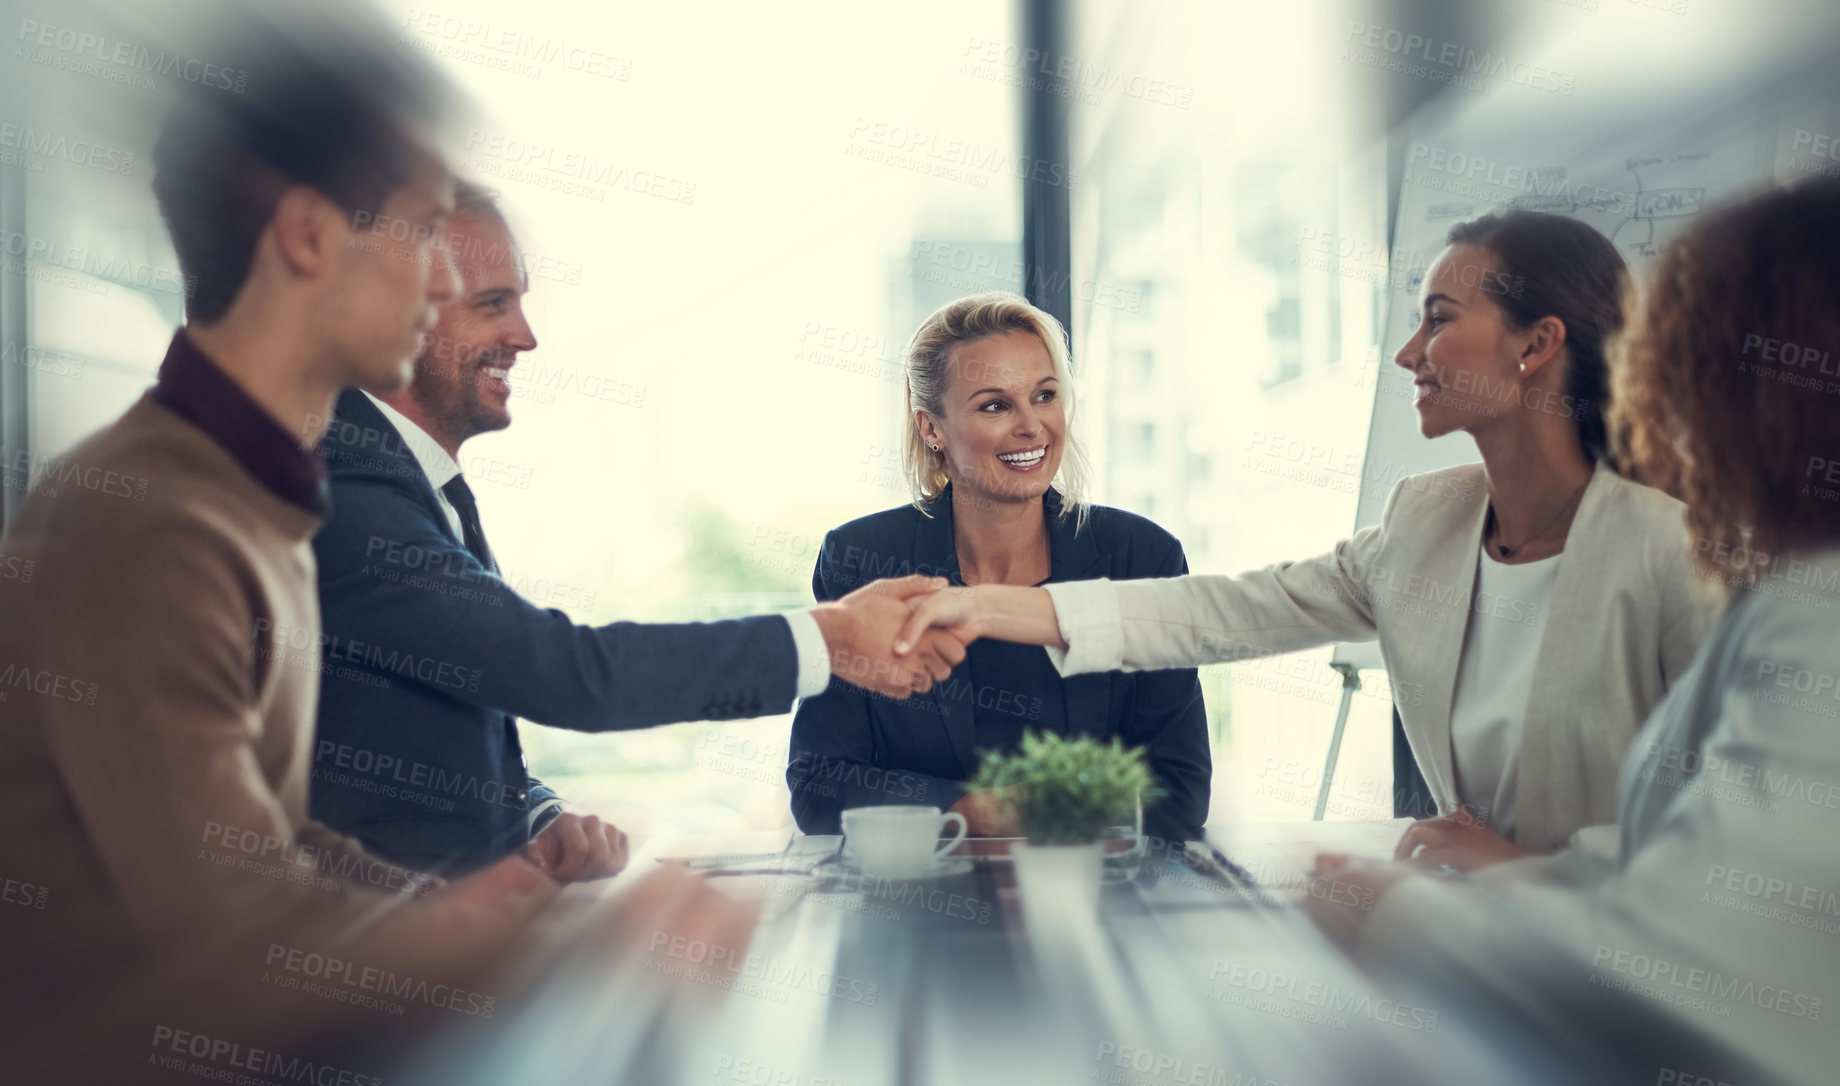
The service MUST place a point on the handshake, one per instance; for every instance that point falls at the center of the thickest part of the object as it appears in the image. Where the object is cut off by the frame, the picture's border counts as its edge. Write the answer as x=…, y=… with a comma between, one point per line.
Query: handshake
x=862, y=629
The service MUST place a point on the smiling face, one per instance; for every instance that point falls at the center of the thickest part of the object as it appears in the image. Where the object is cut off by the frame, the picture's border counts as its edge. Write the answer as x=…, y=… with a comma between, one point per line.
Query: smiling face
x=1002, y=424
x=461, y=377
x=1466, y=360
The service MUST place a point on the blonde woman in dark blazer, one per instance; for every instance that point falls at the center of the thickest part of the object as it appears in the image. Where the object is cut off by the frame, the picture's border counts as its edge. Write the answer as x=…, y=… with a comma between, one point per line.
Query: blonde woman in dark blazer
x=1531, y=610
x=998, y=479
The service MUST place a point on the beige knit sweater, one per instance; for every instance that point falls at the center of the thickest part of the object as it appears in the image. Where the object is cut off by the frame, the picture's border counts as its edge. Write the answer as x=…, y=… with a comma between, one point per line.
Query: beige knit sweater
x=158, y=683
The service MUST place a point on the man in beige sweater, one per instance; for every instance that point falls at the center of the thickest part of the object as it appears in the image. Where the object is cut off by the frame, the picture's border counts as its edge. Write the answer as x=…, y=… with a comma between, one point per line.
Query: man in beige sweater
x=154, y=731
x=159, y=654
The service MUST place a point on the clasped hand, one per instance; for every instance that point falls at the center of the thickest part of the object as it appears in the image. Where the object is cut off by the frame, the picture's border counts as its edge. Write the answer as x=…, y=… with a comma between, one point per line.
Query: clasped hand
x=860, y=631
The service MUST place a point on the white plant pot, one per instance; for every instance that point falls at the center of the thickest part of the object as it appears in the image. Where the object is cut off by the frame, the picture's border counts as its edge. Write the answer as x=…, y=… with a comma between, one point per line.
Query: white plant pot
x=1058, y=884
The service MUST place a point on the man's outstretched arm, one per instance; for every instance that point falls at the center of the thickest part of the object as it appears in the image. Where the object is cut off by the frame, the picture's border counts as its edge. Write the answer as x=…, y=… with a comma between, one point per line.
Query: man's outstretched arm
x=399, y=596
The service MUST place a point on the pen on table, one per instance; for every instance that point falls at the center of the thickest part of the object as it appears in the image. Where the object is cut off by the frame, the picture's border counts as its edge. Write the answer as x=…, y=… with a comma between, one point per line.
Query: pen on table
x=1232, y=868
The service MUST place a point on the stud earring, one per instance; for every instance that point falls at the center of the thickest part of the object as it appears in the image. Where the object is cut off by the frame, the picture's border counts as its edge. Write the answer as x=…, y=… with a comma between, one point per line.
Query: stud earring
x=935, y=448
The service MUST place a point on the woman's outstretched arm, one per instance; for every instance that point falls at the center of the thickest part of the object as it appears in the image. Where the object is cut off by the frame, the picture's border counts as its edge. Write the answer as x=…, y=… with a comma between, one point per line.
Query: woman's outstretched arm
x=1151, y=624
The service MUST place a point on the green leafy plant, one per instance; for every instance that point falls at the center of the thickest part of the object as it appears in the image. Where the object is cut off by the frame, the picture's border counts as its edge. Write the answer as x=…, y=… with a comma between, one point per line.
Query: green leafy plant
x=1068, y=791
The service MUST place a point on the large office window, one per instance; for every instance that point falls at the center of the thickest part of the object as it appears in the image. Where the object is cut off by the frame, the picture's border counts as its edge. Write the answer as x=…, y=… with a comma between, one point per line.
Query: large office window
x=1228, y=268
x=733, y=234
x=90, y=290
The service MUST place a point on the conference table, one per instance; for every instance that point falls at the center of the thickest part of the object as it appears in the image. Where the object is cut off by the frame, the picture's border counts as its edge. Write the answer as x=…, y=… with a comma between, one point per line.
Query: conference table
x=1186, y=975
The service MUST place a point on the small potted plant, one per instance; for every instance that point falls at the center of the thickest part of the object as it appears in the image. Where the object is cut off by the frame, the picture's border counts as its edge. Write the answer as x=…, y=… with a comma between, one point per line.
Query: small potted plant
x=1065, y=794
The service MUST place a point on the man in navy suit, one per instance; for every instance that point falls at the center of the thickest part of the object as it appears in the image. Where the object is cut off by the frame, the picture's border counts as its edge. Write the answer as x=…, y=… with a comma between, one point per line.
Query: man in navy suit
x=429, y=657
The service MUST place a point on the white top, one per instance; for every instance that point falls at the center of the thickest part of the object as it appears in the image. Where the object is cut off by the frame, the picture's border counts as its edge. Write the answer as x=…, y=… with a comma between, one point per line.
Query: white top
x=1501, y=646
x=807, y=640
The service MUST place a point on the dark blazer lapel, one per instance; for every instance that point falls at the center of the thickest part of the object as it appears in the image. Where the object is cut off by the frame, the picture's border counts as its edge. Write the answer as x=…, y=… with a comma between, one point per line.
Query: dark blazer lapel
x=935, y=555
x=1071, y=557
x=1075, y=557
x=349, y=452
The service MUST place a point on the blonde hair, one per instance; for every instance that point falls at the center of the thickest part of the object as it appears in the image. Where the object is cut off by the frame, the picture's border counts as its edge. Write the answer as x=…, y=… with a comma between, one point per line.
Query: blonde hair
x=929, y=357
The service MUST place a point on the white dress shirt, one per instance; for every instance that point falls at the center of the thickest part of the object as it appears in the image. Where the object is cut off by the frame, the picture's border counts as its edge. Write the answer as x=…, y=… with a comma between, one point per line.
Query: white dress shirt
x=807, y=640
x=435, y=463
x=1494, y=680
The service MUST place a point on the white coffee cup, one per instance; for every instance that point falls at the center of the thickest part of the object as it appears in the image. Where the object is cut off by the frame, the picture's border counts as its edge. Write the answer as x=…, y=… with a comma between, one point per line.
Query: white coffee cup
x=899, y=840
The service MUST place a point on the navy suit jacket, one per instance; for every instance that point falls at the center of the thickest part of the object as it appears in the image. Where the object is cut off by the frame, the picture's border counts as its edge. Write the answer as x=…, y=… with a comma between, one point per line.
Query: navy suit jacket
x=851, y=748
x=429, y=659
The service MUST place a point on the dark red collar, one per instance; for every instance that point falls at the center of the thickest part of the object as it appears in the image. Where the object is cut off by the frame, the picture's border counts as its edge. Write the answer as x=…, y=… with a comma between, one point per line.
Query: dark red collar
x=194, y=388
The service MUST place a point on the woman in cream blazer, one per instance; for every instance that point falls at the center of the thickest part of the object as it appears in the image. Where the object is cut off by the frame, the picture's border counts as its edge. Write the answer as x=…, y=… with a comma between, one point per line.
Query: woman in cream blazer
x=1623, y=623
x=1528, y=695
x=1702, y=941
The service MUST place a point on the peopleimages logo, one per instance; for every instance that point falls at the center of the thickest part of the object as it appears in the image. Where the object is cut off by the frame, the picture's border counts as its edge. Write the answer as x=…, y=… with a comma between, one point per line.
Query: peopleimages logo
x=27, y=895
x=836, y=771
x=47, y=684
x=1291, y=996
x=1066, y=76
x=1673, y=983
x=53, y=145
x=756, y=1073
x=514, y=46
x=83, y=46
x=750, y=973
x=1745, y=783
x=114, y=268
x=950, y=157
x=1456, y=59
x=344, y=976
x=1769, y=897
x=425, y=783
x=171, y=1046
x=1140, y=1066
x=306, y=647
x=569, y=170
x=301, y=863
x=49, y=475
x=1816, y=144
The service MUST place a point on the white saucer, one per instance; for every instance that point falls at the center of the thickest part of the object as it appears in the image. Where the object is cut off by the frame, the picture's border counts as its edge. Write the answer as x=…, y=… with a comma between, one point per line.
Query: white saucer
x=945, y=866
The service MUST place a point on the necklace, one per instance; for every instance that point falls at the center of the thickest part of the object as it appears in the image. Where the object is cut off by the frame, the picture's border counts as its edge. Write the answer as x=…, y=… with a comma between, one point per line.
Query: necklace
x=1508, y=552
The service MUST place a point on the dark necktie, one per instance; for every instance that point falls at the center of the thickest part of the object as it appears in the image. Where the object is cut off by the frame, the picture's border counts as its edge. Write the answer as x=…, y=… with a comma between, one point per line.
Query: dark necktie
x=460, y=496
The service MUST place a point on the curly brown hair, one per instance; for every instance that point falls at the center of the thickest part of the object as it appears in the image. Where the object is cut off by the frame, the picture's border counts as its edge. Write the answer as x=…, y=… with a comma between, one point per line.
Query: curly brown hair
x=1727, y=383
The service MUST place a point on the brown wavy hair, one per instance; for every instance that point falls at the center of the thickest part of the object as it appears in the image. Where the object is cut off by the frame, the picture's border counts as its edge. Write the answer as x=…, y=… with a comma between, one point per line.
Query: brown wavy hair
x=1727, y=385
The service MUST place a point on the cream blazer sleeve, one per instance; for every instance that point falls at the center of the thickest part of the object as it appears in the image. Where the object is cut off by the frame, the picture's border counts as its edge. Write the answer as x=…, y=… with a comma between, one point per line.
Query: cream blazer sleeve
x=1201, y=619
